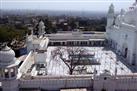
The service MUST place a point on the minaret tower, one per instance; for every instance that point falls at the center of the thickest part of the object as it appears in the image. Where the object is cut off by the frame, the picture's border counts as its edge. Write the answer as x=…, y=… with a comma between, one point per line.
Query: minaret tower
x=29, y=40
x=110, y=16
x=41, y=28
x=110, y=21
x=8, y=69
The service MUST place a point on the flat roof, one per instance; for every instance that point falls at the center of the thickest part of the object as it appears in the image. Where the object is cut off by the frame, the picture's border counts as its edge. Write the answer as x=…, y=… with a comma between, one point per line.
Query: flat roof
x=107, y=59
x=75, y=36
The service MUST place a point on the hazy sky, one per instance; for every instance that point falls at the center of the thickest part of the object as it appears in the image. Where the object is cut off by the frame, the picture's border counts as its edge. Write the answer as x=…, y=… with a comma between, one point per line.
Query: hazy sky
x=78, y=5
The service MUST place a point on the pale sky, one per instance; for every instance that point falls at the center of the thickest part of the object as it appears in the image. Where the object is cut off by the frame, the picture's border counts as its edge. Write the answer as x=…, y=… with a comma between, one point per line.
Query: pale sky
x=73, y=5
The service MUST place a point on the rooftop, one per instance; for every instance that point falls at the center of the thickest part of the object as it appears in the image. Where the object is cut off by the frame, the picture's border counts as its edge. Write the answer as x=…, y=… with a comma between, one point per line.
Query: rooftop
x=108, y=60
x=75, y=36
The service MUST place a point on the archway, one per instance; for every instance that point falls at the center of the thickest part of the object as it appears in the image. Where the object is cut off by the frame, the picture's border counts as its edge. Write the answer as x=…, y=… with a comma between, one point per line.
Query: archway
x=125, y=50
x=125, y=53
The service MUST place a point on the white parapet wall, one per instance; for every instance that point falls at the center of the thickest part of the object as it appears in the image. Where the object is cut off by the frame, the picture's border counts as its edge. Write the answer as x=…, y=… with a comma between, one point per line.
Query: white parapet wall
x=57, y=83
x=26, y=64
x=116, y=83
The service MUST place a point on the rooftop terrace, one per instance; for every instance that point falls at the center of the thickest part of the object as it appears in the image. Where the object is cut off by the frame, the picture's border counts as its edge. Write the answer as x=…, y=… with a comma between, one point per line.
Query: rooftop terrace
x=108, y=61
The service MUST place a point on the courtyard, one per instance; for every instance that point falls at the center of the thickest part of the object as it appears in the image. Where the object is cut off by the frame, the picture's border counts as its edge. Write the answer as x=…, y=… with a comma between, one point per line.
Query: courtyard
x=106, y=60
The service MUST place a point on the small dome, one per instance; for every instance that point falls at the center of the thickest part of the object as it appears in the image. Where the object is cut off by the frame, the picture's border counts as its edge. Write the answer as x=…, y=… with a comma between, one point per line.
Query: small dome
x=7, y=55
x=129, y=18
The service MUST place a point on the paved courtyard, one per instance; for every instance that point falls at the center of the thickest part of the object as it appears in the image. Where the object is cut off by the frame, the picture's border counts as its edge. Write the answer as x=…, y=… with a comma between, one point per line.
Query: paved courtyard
x=108, y=61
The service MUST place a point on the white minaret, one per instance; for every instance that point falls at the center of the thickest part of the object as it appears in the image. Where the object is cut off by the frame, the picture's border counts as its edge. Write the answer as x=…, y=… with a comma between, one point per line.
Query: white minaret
x=110, y=21
x=41, y=28
x=29, y=40
x=110, y=16
x=8, y=69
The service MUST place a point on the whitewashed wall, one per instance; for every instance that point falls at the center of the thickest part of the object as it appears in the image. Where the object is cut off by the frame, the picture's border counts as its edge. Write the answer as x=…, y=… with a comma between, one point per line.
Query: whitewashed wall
x=118, y=83
x=27, y=63
x=111, y=83
x=56, y=83
x=118, y=35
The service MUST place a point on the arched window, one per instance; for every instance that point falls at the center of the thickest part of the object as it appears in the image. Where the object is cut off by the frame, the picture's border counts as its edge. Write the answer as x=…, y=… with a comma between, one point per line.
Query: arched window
x=6, y=73
x=126, y=50
x=12, y=71
x=1, y=73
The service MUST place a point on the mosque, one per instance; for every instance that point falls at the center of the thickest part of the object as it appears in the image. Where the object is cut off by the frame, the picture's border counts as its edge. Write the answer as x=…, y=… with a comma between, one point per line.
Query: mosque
x=115, y=50
x=121, y=33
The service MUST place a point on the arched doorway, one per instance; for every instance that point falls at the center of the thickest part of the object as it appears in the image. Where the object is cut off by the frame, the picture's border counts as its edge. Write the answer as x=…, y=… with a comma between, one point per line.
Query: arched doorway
x=125, y=53
x=125, y=50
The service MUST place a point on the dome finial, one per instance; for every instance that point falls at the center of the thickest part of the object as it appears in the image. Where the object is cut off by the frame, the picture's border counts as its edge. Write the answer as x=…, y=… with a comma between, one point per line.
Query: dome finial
x=3, y=45
x=111, y=8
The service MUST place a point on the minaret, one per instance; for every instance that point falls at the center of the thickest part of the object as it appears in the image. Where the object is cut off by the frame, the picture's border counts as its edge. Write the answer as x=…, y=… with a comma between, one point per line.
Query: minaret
x=41, y=28
x=29, y=40
x=8, y=69
x=110, y=21
x=110, y=16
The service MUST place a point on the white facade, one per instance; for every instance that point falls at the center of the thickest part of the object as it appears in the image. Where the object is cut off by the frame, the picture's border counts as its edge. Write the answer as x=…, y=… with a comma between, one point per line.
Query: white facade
x=39, y=41
x=34, y=43
x=8, y=69
x=121, y=33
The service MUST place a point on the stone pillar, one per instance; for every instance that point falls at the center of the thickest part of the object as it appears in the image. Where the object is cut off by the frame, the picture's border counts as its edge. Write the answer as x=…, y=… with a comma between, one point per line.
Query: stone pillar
x=61, y=43
x=87, y=43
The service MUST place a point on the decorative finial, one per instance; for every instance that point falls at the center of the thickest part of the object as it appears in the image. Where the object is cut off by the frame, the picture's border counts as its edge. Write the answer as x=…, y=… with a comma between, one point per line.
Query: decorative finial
x=111, y=8
x=3, y=45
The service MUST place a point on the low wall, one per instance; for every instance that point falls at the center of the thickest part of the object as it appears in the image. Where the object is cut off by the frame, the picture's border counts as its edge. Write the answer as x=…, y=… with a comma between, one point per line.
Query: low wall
x=116, y=83
x=109, y=83
x=56, y=83
x=26, y=64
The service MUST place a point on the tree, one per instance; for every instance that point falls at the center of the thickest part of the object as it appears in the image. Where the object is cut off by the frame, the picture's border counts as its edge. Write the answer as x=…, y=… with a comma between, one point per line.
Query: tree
x=72, y=57
x=8, y=33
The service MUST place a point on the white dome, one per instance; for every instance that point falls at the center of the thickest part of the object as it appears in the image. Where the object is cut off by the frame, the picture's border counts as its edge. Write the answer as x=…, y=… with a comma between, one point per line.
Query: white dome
x=130, y=17
x=7, y=55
